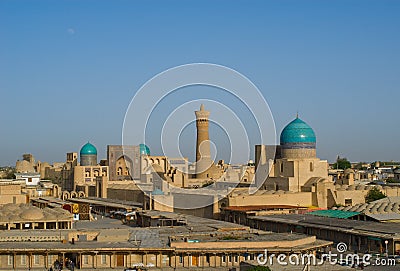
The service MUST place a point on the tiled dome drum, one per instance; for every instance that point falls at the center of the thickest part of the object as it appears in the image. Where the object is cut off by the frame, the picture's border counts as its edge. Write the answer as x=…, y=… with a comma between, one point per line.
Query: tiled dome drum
x=88, y=155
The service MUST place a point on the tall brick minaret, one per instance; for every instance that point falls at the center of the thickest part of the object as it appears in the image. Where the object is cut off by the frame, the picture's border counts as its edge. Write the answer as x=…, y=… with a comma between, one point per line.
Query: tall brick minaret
x=203, y=154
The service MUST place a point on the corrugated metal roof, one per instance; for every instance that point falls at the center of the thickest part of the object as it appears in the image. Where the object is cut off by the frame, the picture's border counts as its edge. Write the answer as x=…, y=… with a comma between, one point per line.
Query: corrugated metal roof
x=384, y=217
x=370, y=228
x=262, y=207
x=334, y=213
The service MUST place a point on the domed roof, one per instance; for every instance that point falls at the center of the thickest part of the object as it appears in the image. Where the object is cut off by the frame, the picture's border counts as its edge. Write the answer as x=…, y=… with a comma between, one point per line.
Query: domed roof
x=144, y=149
x=88, y=149
x=32, y=214
x=297, y=132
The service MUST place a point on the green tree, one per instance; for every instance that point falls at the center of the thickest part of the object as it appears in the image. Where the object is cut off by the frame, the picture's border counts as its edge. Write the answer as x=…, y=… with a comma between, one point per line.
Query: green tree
x=10, y=173
x=374, y=194
x=342, y=163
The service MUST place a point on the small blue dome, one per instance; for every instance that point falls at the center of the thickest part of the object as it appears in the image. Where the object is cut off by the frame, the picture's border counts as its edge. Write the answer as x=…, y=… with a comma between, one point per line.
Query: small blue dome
x=144, y=149
x=297, y=132
x=157, y=191
x=88, y=149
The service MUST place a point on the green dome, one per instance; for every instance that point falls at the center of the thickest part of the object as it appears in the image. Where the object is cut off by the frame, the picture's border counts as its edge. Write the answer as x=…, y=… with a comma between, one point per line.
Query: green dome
x=88, y=149
x=297, y=132
x=144, y=149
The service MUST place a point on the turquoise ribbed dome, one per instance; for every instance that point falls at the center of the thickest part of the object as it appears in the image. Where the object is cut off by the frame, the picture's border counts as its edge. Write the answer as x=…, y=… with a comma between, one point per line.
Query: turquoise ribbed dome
x=297, y=132
x=144, y=149
x=88, y=149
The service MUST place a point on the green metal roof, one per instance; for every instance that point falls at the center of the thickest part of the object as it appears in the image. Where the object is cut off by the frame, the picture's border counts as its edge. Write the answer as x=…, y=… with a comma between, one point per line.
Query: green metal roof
x=334, y=213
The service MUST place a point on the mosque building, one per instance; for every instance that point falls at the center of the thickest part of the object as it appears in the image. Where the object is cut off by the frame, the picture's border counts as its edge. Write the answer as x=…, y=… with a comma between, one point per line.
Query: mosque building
x=295, y=176
x=125, y=161
x=80, y=178
x=89, y=169
x=290, y=175
x=296, y=164
x=124, y=164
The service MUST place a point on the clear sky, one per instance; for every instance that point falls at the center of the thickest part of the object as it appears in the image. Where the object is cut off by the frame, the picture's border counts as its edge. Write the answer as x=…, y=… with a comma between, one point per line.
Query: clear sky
x=68, y=69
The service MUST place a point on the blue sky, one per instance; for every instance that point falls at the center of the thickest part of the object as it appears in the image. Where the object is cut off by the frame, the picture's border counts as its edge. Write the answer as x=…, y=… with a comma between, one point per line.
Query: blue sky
x=68, y=69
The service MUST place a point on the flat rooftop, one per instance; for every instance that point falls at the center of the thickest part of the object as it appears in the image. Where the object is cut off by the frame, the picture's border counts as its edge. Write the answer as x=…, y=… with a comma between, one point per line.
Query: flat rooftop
x=249, y=208
x=369, y=228
x=108, y=202
x=255, y=236
x=195, y=222
x=151, y=238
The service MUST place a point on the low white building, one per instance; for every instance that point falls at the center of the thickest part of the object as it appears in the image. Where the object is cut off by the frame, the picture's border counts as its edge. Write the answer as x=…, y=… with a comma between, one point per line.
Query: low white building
x=29, y=178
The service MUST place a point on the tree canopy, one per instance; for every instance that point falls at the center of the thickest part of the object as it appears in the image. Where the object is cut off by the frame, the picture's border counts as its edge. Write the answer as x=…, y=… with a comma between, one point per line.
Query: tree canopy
x=374, y=194
x=342, y=163
x=10, y=173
